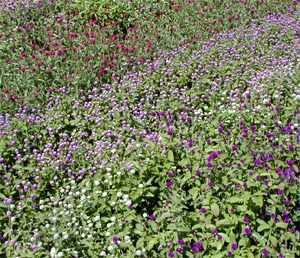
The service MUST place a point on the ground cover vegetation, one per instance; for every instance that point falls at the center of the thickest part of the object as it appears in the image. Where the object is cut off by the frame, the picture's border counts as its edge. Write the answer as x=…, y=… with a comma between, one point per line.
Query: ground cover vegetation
x=150, y=128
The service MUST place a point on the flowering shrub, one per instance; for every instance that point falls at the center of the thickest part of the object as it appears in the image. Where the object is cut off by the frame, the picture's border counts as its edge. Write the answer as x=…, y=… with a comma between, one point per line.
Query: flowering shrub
x=114, y=149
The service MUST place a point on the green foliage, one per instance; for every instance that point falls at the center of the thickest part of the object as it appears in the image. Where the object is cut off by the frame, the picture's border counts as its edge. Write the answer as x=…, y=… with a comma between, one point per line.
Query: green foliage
x=195, y=147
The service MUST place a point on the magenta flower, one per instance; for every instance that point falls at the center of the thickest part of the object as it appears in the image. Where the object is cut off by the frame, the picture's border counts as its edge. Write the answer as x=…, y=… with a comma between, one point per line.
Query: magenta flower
x=246, y=219
x=169, y=183
x=152, y=217
x=234, y=246
x=180, y=241
x=170, y=174
x=266, y=252
x=234, y=147
x=247, y=231
x=202, y=210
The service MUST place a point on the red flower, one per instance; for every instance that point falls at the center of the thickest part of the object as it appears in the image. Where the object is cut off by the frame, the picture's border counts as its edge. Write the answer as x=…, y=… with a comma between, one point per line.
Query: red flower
x=149, y=44
x=230, y=18
x=12, y=97
x=5, y=91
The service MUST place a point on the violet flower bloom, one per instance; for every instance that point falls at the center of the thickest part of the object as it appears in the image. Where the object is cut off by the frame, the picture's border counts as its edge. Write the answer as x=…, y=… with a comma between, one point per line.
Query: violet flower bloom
x=170, y=174
x=246, y=219
x=234, y=148
x=198, y=247
x=247, y=231
x=202, y=210
x=265, y=252
x=169, y=183
x=180, y=241
x=152, y=217
x=234, y=246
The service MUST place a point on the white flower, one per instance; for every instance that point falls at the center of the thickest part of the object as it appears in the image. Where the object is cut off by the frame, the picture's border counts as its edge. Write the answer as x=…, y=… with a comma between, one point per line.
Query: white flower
x=97, y=183
x=102, y=253
x=60, y=254
x=113, y=218
x=141, y=185
x=138, y=252
x=104, y=194
x=127, y=239
x=128, y=203
x=97, y=218
x=53, y=252
x=119, y=194
x=107, y=234
x=110, y=248
x=56, y=236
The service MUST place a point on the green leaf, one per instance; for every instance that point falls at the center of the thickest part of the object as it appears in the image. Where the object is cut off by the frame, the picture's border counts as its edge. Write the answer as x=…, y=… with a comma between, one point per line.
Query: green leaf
x=224, y=222
x=219, y=255
x=273, y=240
x=184, y=162
x=263, y=226
x=151, y=243
x=235, y=199
x=153, y=225
x=215, y=209
x=140, y=243
x=194, y=192
x=258, y=200
x=170, y=156
x=183, y=229
x=281, y=225
x=199, y=225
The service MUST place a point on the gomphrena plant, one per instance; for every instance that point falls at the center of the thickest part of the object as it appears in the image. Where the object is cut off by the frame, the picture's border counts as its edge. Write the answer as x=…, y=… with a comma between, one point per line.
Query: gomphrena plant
x=150, y=129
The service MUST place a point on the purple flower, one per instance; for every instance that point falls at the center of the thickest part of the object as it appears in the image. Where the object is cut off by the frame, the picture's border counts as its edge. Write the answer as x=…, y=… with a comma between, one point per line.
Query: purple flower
x=280, y=192
x=115, y=239
x=209, y=165
x=170, y=174
x=198, y=247
x=229, y=254
x=269, y=135
x=247, y=231
x=228, y=133
x=210, y=184
x=234, y=148
x=152, y=217
x=169, y=183
x=266, y=182
x=194, y=249
x=179, y=249
x=290, y=162
x=246, y=219
x=234, y=246
x=202, y=210
x=180, y=241
x=171, y=254
x=265, y=252
x=214, y=231
x=291, y=147
x=198, y=172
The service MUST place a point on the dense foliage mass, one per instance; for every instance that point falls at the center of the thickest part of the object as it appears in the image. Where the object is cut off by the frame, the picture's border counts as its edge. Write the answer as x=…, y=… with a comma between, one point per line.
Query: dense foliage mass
x=150, y=128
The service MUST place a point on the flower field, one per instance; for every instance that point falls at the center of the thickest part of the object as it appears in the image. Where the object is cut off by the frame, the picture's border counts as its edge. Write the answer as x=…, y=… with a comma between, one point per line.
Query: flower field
x=150, y=129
